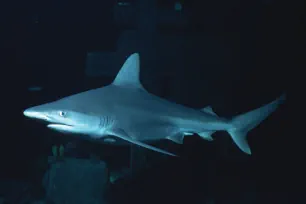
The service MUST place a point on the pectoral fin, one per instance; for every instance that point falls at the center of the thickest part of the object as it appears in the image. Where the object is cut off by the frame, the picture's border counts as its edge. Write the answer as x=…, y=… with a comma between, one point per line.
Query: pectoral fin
x=124, y=136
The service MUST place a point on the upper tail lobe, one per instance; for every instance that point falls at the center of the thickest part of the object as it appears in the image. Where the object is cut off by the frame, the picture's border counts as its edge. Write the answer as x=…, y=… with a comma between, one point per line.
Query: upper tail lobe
x=245, y=122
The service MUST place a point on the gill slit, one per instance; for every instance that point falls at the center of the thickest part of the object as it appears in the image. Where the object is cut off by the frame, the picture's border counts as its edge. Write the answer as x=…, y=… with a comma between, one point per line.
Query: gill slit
x=106, y=122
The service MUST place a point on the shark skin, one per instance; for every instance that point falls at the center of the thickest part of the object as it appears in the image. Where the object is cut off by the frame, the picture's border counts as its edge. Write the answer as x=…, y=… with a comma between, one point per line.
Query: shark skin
x=125, y=111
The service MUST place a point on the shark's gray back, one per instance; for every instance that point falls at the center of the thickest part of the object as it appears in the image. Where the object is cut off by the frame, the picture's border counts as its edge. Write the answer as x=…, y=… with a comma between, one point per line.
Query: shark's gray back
x=138, y=105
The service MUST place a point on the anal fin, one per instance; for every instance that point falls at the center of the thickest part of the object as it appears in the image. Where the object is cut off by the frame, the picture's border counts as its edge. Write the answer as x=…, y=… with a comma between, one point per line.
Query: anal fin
x=206, y=135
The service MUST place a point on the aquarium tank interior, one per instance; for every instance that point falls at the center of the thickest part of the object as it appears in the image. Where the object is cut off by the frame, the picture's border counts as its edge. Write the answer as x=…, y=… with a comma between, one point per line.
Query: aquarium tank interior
x=151, y=102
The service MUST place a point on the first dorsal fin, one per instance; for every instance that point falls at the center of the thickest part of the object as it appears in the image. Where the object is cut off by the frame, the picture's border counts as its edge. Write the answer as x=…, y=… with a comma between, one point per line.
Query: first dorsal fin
x=128, y=75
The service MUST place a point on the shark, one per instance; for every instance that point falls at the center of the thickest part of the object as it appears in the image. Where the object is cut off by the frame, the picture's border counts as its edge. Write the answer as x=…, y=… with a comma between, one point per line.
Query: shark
x=124, y=111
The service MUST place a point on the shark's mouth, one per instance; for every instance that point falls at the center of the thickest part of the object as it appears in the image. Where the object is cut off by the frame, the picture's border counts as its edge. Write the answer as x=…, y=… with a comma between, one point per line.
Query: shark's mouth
x=58, y=125
x=66, y=128
x=61, y=127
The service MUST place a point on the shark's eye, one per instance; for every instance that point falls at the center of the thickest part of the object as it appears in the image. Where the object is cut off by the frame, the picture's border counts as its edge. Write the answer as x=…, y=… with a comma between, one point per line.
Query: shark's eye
x=62, y=113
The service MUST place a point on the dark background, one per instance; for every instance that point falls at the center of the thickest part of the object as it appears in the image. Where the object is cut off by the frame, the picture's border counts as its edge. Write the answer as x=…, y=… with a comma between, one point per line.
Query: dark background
x=45, y=43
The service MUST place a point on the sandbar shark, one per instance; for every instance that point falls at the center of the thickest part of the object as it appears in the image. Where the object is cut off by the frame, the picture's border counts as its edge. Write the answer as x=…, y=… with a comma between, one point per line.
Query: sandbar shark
x=127, y=112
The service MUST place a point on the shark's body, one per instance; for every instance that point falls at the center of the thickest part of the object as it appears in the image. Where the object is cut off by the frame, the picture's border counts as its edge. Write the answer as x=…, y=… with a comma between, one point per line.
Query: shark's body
x=125, y=110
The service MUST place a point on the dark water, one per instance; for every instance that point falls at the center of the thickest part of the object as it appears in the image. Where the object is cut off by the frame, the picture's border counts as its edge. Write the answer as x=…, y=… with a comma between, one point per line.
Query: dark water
x=232, y=55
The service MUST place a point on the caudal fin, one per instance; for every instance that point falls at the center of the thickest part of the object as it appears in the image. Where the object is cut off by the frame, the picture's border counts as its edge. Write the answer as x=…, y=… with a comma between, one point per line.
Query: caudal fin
x=245, y=122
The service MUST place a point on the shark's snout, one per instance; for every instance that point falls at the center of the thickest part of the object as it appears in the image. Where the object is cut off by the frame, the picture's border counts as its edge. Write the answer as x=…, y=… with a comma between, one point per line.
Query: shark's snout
x=30, y=113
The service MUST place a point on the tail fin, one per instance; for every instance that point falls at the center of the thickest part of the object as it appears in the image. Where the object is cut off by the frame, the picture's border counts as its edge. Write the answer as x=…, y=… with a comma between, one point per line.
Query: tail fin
x=245, y=122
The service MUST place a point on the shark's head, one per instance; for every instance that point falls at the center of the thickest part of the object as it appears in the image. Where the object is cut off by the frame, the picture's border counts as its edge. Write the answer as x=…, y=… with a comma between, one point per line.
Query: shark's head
x=90, y=112
x=64, y=117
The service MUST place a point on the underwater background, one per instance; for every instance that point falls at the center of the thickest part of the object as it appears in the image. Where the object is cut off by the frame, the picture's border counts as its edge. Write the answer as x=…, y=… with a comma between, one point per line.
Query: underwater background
x=233, y=55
